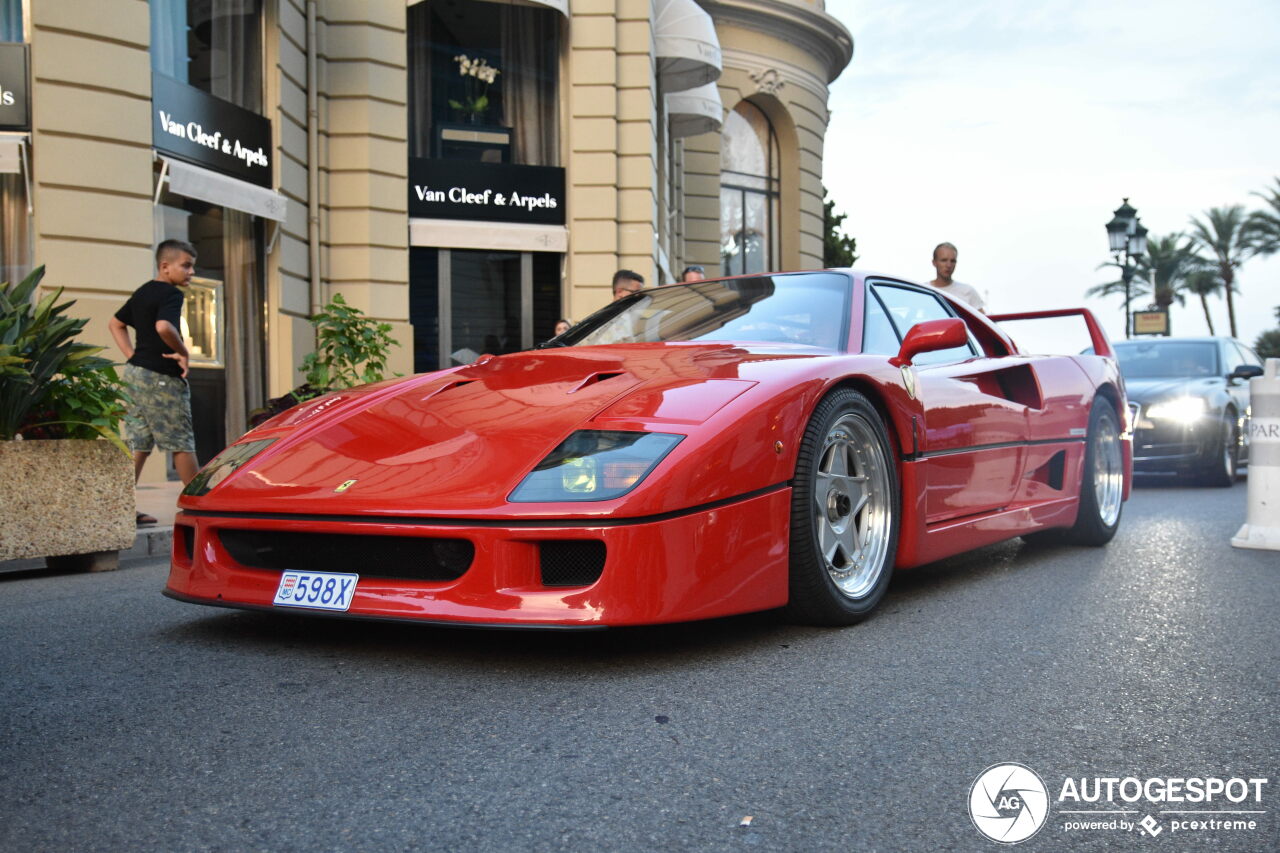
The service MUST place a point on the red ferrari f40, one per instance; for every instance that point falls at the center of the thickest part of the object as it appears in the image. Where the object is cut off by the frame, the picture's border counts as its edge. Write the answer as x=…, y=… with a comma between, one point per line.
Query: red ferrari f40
x=688, y=452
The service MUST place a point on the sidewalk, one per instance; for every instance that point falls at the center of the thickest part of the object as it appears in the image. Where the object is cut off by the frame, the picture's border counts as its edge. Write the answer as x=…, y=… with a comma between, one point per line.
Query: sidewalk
x=159, y=500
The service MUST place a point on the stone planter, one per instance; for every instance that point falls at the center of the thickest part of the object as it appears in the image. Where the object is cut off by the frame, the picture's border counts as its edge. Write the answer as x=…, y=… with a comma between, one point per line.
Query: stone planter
x=66, y=497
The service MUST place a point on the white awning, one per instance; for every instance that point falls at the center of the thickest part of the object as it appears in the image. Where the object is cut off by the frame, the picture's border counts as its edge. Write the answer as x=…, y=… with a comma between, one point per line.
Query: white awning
x=685, y=40
x=216, y=188
x=561, y=6
x=10, y=155
x=695, y=111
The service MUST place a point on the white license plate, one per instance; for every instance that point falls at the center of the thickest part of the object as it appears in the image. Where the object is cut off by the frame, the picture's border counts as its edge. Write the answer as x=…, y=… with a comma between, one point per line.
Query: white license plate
x=317, y=590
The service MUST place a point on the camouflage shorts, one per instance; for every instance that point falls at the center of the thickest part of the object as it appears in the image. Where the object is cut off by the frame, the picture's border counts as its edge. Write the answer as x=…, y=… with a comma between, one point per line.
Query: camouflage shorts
x=160, y=415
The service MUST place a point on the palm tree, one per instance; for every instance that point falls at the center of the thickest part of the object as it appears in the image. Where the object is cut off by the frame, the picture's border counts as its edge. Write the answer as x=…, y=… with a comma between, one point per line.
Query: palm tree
x=1264, y=225
x=1223, y=234
x=1137, y=284
x=1166, y=265
x=1203, y=282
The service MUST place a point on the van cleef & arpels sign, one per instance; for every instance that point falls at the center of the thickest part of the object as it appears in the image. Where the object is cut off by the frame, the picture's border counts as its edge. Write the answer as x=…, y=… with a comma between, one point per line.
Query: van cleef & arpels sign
x=492, y=192
x=194, y=126
x=15, y=94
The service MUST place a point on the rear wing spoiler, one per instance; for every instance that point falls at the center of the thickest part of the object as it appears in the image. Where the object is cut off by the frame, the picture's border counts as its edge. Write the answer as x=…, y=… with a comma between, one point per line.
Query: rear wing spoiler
x=1101, y=343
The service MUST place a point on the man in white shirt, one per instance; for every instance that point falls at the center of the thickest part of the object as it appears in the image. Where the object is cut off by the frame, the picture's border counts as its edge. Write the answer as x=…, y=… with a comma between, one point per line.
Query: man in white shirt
x=944, y=261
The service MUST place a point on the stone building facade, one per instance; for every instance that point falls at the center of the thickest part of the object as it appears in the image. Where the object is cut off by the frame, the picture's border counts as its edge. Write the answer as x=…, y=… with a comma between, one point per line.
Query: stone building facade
x=467, y=171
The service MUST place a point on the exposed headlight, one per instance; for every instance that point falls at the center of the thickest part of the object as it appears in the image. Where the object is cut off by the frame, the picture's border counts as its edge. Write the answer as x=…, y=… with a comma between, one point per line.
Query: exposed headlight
x=223, y=465
x=595, y=465
x=1184, y=410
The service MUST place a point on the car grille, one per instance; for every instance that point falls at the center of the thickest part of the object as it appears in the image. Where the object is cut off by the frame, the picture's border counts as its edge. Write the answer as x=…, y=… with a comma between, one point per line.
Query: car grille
x=396, y=557
x=571, y=562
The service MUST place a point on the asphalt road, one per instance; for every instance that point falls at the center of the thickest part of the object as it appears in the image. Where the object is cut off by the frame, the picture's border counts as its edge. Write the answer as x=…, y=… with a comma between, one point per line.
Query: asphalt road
x=133, y=722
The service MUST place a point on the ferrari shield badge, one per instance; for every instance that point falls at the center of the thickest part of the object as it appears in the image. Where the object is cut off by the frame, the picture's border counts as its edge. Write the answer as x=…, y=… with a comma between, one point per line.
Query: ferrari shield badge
x=909, y=380
x=344, y=486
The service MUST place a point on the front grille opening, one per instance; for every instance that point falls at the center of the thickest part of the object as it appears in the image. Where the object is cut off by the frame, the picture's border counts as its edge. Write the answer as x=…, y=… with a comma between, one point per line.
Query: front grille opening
x=417, y=558
x=184, y=541
x=571, y=562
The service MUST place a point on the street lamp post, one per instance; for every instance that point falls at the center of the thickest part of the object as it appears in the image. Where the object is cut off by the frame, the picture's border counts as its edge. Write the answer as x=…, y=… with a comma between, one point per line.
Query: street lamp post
x=1128, y=237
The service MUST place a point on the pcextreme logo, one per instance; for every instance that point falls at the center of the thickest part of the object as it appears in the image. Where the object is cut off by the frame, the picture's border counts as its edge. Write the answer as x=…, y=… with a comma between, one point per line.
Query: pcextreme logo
x=1009, y=803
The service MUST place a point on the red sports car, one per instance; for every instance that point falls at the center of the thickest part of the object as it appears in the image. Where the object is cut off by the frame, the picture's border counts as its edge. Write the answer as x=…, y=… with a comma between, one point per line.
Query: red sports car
x=689, y=452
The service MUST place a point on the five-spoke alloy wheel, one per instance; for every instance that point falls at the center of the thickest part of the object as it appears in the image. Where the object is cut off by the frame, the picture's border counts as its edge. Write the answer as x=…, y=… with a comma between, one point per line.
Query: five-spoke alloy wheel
x=844, y=513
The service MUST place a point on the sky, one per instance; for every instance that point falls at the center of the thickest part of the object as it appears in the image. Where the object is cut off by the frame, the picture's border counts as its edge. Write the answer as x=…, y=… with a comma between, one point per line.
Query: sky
x=1013, y=129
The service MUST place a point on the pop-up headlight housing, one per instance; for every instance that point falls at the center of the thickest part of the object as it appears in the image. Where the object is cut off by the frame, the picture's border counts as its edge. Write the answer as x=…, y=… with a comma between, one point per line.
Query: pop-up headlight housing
x=224, y=465
x=595, y=465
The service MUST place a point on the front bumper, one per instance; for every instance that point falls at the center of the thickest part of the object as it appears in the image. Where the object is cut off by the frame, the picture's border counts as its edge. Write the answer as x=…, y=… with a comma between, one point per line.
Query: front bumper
x=698, y=564
x=1175, y=448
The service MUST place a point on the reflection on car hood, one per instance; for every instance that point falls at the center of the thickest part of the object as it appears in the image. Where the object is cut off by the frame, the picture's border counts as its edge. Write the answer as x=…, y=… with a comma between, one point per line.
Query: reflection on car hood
x=460, y=441
x=1153, y=390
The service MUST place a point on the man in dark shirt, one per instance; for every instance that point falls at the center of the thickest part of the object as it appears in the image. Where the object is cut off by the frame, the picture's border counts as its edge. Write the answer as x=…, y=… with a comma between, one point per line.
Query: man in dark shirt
x=160, y=415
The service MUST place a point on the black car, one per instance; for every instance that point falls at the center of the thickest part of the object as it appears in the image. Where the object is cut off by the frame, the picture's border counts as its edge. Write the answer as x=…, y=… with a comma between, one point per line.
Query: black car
x=1191, y=397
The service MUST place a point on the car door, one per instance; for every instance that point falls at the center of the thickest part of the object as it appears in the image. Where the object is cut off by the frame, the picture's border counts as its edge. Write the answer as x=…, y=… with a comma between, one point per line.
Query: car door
x=975, y=411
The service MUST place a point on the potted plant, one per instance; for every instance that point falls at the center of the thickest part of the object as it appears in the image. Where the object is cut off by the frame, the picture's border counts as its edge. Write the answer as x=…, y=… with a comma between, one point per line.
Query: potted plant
x=351, y=350
x=71, y=480
x=477, y=76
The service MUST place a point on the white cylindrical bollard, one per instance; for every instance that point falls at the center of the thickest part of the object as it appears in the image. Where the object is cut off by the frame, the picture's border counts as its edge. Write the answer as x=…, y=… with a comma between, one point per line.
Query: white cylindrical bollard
x=1262, y=522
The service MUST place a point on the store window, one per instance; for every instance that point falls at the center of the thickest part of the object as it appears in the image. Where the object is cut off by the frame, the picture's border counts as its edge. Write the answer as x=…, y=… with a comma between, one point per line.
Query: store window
x=749, y=192
x=213, y=45
x=15, y=213
x=483, y=82
x=494, y=302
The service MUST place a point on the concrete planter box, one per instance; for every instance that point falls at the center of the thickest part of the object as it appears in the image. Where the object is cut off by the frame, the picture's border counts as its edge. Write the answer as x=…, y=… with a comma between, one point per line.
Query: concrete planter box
x=66, y=497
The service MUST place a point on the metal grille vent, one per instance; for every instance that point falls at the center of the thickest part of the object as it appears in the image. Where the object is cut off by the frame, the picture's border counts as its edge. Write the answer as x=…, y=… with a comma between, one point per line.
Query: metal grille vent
x=397, y=557
x=571, y=562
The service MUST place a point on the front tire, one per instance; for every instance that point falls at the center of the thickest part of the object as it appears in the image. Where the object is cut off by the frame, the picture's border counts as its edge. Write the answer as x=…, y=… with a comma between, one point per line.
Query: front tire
x=844, y=513
x=1101, y=480
x=1224, y=462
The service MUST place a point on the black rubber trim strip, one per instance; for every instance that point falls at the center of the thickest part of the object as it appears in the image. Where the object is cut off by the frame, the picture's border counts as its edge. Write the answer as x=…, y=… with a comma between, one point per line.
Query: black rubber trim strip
x=997, y=446
x=363, y=617
x=419, y=521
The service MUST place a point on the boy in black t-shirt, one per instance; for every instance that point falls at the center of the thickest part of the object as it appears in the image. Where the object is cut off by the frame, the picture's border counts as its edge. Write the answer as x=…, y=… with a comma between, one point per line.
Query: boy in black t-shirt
x=160, y=415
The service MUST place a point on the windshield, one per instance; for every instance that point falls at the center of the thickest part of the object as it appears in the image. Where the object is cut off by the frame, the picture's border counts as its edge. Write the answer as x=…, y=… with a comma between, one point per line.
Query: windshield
x=1167, y=359
x=797, y=308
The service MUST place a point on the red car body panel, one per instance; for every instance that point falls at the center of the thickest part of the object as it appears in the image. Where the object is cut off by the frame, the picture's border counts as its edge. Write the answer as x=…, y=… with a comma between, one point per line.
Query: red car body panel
x=706, y=534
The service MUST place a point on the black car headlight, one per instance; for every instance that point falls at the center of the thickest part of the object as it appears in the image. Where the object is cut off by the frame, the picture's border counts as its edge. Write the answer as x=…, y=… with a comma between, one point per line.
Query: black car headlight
x=1180, y=410
x=595, y=465
x=223, y=465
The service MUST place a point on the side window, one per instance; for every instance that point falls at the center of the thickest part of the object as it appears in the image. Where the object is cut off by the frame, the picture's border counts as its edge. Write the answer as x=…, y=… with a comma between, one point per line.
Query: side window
x=878, y=335
x=908, y=307
x=1232, y=357
x=1250, y=357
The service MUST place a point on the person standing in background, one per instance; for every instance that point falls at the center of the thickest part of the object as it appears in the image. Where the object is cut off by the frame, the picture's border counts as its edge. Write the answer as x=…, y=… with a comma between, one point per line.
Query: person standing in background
x=625, y=283
x=944, y=261
x=693, y=272
x=156, y=370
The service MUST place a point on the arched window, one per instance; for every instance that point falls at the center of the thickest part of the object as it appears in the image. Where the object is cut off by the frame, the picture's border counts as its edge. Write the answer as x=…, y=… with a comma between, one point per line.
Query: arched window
x=749, y=188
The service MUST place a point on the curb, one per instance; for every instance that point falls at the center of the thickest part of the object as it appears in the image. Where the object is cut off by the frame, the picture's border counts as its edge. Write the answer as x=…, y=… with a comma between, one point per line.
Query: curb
x=148, y=543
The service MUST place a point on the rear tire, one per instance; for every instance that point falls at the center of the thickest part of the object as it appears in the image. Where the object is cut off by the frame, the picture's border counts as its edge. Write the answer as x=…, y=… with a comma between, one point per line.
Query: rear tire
x=844, y=513
x=1101, y=480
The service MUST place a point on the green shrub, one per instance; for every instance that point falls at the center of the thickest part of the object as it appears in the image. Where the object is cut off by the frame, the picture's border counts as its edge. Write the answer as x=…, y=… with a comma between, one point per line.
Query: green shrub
x=50, y=385
x=351, y=349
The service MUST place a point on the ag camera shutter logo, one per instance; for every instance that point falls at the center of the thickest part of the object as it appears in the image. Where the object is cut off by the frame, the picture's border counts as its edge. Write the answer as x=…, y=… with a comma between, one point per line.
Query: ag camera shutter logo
x=1008, y=803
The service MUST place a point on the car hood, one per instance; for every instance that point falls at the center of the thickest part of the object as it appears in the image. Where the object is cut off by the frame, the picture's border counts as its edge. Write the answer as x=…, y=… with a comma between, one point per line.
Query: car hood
x=1154, y=390
x=460, y=441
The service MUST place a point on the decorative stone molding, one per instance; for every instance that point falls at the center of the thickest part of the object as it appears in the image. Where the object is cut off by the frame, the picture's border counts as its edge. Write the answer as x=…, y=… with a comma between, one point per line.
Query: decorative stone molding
x=768, y=81
x=810, y=28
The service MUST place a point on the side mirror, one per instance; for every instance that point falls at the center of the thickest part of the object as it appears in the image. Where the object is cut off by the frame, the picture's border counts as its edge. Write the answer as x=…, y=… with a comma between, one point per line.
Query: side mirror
x=1245, y=371
x=930, y=336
